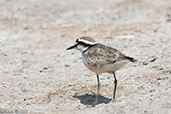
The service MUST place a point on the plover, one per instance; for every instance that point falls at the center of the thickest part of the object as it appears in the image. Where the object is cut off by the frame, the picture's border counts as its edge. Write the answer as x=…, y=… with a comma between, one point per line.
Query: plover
x=101, y=59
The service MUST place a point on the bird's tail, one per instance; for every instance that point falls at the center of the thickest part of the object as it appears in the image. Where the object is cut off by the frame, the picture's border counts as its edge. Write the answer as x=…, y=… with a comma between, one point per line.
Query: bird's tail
x=130, y=59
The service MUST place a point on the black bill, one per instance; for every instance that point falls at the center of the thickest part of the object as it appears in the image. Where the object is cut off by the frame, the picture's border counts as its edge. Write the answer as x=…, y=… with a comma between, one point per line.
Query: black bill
x=72, y=47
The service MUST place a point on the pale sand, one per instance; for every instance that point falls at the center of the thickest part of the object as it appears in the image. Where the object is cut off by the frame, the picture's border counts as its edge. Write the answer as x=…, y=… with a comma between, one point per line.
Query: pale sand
x=39, y=75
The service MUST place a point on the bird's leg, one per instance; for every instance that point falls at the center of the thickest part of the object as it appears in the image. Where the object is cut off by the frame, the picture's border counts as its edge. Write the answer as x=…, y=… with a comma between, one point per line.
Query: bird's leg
x=115, y=85
x=98, y=85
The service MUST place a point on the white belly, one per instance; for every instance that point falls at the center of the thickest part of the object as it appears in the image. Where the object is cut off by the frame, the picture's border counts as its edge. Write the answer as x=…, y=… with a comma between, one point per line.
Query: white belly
x=109, y=68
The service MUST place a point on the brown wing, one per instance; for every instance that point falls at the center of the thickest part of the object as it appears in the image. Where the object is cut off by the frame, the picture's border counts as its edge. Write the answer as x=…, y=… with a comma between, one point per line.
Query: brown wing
x=100, y=54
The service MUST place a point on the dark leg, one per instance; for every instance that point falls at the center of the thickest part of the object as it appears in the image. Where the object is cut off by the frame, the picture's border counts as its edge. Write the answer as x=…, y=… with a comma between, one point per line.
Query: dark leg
x=115, y=85
x=98, y=85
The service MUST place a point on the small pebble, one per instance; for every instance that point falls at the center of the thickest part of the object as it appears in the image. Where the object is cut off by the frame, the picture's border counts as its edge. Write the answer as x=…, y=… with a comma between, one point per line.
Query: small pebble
x=145, y=63
x=152, y=59
x=45, y=68
x=67, y=65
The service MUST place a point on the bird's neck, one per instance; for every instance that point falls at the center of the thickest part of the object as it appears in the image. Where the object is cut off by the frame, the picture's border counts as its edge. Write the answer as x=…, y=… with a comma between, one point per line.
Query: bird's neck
x=82, y=48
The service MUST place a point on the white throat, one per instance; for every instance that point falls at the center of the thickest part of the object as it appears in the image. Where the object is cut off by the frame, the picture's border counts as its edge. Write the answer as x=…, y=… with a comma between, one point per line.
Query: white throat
x=82, y=48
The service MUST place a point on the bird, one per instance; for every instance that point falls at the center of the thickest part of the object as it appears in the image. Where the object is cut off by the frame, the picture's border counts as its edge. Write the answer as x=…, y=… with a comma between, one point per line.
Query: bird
x=100, y=58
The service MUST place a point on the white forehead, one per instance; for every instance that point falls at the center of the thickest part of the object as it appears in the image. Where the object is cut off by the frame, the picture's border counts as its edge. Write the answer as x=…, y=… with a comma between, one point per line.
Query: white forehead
x=86, y=41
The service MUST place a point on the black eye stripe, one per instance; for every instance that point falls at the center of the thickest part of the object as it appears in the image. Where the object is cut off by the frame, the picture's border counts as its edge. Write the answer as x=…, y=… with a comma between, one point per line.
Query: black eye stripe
x=77, y=40
x=82, y=43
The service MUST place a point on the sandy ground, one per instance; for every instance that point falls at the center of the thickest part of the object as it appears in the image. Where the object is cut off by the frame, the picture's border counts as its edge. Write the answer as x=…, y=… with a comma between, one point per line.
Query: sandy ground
x=38, y=74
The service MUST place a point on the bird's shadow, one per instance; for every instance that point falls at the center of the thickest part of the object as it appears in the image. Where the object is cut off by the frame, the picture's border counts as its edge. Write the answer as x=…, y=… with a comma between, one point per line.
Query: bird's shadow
x=88, y=99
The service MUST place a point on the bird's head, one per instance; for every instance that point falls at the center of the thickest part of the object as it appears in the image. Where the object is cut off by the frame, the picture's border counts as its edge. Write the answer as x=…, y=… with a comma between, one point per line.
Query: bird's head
x=83, y=43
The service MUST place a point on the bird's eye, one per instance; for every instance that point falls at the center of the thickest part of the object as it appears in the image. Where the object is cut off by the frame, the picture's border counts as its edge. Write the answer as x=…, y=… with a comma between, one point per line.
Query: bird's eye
x=77, y=40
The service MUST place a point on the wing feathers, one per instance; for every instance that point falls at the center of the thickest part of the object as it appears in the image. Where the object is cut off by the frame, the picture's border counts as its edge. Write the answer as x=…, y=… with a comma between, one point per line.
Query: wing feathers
x=99, y=54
